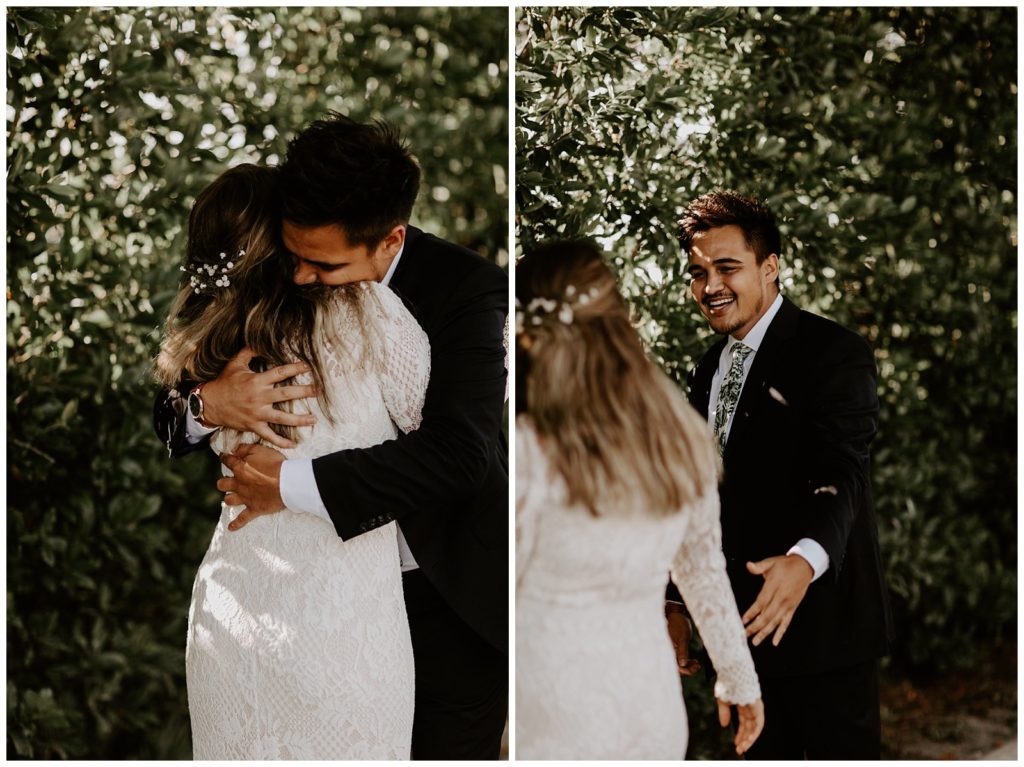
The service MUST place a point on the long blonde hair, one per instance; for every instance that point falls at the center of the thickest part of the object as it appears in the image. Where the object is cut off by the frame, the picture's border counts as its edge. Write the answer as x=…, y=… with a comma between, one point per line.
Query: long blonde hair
x=237, y=290
x=612, y=422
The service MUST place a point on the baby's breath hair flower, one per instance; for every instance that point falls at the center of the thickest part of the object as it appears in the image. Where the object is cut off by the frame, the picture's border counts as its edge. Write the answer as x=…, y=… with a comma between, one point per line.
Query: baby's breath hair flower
x=215, y=275
x=541, y=309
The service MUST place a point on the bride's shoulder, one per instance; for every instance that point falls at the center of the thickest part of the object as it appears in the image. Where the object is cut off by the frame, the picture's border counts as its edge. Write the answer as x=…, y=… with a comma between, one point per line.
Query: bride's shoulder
x=527, y=440
x=355, y=295
x=387, y=305
x=524, y=425
x=380, y=294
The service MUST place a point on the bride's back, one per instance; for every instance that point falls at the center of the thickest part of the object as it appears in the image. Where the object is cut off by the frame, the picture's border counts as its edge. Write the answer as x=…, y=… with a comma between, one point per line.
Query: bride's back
x=592, y=651
x=568, y=556
x=612, y=453
x=613, y=474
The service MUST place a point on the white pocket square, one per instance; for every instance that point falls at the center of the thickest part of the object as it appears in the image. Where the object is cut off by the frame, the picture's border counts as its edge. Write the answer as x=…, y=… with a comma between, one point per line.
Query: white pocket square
x=777, y=396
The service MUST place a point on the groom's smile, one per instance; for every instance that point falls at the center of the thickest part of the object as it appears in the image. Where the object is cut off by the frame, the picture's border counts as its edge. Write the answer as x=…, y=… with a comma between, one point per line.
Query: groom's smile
x=719, y=305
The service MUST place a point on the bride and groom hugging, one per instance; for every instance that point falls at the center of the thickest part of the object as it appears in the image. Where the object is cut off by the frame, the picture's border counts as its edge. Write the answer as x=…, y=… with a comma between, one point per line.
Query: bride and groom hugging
x=372, y=356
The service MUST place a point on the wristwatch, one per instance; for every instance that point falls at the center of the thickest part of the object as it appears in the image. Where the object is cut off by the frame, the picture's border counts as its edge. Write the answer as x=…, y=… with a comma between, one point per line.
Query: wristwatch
x=195, y=406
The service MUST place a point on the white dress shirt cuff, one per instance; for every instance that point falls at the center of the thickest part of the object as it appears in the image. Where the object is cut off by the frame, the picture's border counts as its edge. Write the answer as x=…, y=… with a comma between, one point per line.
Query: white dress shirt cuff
x=298, y=488
x=815, y=555
x=195, y=431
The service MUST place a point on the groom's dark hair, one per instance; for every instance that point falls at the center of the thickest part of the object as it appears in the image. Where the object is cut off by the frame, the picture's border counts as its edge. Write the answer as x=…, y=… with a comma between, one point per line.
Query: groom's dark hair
x=360, y=176
x=724, y=207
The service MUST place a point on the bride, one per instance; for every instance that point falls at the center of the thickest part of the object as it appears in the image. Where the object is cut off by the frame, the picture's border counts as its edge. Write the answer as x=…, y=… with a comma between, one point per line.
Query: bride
x=616, y=484
x=298, y=642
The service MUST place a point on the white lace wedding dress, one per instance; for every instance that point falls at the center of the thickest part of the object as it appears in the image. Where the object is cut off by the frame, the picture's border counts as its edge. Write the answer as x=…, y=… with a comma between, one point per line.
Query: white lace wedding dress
x=298, y=642
x=596, y=676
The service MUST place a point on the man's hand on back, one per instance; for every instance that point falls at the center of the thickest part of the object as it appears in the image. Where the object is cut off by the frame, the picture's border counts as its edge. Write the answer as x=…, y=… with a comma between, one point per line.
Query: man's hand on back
x=255, y=483
x=243, y=400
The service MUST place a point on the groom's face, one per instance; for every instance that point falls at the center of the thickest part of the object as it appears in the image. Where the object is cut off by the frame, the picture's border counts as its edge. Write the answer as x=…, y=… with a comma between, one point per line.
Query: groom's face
x=323, y=254
x=732, y=290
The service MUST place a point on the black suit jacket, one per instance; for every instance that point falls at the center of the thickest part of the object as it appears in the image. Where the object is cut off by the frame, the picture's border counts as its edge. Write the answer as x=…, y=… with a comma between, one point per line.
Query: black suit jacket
x=447, y=482
x=797, y=465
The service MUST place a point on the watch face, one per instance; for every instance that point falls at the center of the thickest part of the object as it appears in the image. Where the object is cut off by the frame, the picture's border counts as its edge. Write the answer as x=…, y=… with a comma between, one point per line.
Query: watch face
x=195, y=405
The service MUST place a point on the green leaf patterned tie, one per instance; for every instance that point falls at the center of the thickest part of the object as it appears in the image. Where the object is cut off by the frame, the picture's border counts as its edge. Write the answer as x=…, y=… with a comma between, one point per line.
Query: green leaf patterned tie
x=729, y=394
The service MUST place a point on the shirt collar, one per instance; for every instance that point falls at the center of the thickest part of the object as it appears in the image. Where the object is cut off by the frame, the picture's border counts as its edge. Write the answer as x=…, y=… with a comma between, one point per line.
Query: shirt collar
x=754, y=338
x=394, y=265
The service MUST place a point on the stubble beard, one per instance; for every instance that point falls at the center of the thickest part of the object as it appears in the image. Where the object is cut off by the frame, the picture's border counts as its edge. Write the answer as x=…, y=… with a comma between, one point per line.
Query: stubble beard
x=734, y=325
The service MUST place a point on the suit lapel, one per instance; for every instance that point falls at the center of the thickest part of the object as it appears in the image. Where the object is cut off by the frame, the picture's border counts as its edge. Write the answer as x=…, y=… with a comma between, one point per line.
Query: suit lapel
x=781, y=330
x=700, y=378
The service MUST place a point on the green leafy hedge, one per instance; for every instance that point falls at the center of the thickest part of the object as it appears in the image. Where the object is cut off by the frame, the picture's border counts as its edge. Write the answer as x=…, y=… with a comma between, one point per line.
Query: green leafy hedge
x=116, y=119
x=886, y=142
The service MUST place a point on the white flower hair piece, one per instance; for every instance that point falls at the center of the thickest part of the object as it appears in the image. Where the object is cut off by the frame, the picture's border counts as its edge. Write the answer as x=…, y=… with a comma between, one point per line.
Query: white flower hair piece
x=206, y=277
x=540, y=309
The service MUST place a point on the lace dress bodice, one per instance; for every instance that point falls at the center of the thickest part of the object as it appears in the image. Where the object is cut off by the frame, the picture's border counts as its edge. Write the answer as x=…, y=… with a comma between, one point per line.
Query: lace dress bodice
x=595, y=670
x=376, y=362
x=298, y=644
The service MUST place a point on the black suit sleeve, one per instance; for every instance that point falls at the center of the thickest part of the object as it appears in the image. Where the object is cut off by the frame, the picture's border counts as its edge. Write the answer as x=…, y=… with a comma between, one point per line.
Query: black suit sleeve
x=423, y=471
x=169, y=410
x=840, y=421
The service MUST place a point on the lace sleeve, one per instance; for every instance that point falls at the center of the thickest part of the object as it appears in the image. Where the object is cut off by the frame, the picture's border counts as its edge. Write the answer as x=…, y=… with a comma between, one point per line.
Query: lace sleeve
x=527, y=456
x=699, y=572
x=406, y=358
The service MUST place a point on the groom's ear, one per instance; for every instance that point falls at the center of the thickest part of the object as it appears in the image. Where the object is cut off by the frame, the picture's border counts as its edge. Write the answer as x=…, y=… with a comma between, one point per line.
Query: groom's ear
x=770, y=267
x=394, y=240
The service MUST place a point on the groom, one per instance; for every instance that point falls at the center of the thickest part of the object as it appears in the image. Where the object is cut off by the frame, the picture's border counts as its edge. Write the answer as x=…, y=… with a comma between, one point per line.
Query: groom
x=792, y=401
x=347, y=192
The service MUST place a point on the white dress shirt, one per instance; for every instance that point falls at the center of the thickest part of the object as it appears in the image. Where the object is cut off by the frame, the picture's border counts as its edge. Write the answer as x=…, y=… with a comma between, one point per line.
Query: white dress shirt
x=297, y=481
x=808, y=548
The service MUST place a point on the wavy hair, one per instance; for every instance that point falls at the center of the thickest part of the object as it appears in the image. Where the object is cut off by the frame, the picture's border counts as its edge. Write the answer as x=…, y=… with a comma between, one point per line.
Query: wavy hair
x=238, y=215
x=613, y=424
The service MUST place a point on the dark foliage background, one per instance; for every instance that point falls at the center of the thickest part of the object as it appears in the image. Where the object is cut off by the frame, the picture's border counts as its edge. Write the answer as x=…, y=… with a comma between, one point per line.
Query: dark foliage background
x=885, y=141
x=116, y=118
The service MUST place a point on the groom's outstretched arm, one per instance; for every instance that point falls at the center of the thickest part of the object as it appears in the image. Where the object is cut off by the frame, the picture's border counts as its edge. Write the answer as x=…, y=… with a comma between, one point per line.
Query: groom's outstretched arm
x=447, y=458
x=840, y=420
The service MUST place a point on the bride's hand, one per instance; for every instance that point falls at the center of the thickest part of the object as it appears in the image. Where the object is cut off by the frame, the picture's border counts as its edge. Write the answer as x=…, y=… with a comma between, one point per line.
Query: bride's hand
x=244, y=400
x=751, y=722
